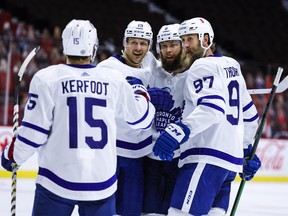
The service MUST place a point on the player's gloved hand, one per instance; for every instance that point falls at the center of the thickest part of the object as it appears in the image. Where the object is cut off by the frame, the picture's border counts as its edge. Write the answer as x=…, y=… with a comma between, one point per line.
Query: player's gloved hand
x=133, y=80
x=161, y=99
x=173, y=135
x=7, y=156
x=250, y=167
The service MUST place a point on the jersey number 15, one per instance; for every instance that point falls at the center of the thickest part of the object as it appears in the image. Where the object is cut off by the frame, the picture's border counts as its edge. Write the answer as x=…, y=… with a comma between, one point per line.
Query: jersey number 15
x=73, y=124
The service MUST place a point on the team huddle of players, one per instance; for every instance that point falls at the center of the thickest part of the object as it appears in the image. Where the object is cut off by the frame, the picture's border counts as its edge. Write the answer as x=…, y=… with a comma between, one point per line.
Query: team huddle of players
x=136, y=135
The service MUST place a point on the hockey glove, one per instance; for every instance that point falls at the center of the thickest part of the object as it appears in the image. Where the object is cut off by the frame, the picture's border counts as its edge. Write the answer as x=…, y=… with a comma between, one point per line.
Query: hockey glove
x=7, y=156
x=161, y=99
x=173, y=135
x=250, y=167
x=133, y=80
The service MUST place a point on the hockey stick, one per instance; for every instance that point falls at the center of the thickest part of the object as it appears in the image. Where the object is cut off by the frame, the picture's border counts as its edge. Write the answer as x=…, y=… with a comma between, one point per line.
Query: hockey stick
x=282, y=86
x=16, y=123
x=258, y=135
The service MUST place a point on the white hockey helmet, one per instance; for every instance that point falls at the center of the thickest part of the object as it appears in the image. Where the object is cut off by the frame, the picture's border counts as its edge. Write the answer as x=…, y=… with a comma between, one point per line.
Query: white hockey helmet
x=138, y=29
x=79, y=38
x=198, y=26
x=167, y=33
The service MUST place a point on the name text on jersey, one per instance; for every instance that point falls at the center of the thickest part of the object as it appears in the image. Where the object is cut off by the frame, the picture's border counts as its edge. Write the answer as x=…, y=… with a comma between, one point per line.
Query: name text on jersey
x=70, y=86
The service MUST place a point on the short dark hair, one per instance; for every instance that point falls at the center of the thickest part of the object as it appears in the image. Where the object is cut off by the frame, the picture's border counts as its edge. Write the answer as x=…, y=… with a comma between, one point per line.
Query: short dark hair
x=77, y=58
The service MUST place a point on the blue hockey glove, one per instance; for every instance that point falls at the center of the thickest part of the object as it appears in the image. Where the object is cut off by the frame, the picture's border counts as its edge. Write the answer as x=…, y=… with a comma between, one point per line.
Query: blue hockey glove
x=161, y=99
x=173, y=135
x=250, y=167
x=7, y=156
x=133, y=80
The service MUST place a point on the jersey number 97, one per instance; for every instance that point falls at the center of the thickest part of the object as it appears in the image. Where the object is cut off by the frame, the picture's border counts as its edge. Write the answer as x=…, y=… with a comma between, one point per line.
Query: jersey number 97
x=233, y=89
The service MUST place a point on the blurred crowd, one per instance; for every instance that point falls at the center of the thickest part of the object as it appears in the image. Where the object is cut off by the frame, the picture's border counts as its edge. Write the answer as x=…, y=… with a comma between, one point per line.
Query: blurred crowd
x=277, y=120
x=18, y=38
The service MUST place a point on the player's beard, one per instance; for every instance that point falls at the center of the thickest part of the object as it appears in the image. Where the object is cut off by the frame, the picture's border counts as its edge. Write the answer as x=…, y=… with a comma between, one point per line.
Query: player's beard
x=187, y=59
x=171, y=66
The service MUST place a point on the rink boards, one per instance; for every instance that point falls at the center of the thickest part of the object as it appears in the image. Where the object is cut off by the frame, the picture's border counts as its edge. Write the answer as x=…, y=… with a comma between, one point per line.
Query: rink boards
x=272, y=152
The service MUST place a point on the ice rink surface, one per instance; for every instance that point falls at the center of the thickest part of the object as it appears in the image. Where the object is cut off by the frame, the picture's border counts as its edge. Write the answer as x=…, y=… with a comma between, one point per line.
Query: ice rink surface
x=258, y=199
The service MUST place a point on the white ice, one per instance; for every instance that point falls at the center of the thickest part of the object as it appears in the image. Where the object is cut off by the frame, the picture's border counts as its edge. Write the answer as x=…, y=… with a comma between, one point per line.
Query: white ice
x=257, y=199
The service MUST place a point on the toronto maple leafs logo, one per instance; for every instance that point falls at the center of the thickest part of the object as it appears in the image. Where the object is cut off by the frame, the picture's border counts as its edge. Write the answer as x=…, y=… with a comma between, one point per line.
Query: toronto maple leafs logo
x=163, y=118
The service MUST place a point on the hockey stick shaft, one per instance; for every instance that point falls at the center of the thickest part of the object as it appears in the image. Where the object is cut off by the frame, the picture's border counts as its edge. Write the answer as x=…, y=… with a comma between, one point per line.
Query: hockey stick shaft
x=283, y=85
x=17, y=84
x=16, y=123
x=257, y=136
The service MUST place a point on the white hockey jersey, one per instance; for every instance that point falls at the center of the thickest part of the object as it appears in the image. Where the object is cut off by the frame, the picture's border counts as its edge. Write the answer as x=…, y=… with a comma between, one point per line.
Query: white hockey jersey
x=133, y=143
x=217, y=107
x=70, y=118
x=175, y=85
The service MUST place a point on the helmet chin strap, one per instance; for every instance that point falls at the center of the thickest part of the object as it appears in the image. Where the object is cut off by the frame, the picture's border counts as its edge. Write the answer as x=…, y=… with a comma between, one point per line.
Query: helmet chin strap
x=136, y=65
x=205, y=48
x=92, y=57
x=205, y=51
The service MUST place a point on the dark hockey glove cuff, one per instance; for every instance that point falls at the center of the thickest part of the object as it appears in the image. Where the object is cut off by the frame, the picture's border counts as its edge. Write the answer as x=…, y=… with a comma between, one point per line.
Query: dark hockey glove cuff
x=133, y=80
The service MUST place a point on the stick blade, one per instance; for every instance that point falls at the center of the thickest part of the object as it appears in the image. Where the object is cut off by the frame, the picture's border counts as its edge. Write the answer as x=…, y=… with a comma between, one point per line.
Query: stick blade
x=26, y=62
x=278, y=75
x=282, y=86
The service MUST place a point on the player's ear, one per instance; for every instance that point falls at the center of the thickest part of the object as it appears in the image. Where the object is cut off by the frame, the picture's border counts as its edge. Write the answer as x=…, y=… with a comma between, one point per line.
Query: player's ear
x=206, y=40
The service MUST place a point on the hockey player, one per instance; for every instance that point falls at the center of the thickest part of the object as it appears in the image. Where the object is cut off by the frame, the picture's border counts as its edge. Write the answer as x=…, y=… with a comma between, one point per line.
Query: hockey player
x=219, y=120
x=136, y=64
x=70, y=120
x=160, y=176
